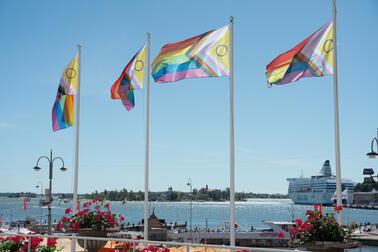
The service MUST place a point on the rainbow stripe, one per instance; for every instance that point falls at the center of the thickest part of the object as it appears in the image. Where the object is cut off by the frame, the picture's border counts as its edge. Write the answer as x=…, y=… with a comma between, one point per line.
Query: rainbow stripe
x=132, y=75
x=63, y=109
x=122, y=88
x=313, y=57
x=205, y=55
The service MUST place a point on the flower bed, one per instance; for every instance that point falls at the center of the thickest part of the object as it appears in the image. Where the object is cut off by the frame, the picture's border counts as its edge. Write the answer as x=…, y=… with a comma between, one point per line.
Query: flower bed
x=95, y=215
x=20, y=244
x=320, y=232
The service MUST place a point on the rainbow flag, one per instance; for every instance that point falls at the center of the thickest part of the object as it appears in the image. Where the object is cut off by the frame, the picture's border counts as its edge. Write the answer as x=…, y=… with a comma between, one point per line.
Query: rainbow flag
x=313, y=57
x=205, y=55
x=131, y=76
x=63, y=109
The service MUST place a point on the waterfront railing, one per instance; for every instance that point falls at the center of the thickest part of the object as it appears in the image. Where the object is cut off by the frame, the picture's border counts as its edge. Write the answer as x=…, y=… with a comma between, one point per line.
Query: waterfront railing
x=146, y=243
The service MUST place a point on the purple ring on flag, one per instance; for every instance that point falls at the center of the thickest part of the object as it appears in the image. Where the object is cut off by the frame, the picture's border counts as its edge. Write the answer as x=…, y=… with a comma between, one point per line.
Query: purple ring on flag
x=219, y=46
x=324, y=46
x=136, y=63
x=73, y=70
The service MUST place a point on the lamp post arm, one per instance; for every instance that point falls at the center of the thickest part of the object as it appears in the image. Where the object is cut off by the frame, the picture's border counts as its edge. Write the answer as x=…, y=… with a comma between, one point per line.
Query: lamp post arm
x=61, y=159
x=41, y=158
x=372, y=142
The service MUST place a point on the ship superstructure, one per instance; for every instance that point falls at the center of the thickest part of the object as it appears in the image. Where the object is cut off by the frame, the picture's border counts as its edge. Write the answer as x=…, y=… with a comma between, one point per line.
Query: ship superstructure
x=319, y=188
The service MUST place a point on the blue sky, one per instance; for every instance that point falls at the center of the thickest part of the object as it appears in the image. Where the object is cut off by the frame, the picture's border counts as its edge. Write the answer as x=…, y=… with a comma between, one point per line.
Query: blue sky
x=279, y=132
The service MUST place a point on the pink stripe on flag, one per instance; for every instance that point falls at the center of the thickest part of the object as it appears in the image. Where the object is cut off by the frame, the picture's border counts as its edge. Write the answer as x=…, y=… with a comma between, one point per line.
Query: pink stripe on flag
x=191, y=73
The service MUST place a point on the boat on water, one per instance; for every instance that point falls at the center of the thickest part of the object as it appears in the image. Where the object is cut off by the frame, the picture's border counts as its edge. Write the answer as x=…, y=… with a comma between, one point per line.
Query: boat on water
x=319, y=188
x=266, y=237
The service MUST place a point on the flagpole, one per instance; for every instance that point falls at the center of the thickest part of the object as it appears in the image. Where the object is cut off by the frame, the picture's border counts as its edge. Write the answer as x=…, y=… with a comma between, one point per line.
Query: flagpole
x=74, y=210
x=336, y=116
x=74, y=203
x=146, y=162
x=232, y=152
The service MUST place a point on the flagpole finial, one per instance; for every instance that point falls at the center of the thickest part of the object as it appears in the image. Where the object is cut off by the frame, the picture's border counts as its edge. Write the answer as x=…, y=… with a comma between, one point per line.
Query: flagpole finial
x=78, y=46
x=148, y=34
x=231, y=19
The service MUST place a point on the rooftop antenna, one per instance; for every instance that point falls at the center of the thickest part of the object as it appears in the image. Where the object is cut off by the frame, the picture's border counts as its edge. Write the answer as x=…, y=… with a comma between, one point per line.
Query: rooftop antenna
x=302, y=174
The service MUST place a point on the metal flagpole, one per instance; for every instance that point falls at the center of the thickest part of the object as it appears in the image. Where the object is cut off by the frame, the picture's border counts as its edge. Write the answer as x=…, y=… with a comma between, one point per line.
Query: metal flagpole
x=147, y=141
x=232, y=152
x=336, y=116
x=74, y=203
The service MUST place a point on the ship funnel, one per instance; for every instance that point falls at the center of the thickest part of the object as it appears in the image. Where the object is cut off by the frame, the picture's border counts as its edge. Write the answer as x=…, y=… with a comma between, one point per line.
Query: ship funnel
x=326, y=169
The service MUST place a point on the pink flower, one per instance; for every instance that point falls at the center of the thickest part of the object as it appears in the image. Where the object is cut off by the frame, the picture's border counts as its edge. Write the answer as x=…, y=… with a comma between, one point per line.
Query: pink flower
x=121, y=218
x=107, y=206
x=68, y=210
x=280, y=235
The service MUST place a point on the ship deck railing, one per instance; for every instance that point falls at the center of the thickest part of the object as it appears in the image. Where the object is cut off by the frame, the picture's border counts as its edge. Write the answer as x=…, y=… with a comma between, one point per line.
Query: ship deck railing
x=146, y=243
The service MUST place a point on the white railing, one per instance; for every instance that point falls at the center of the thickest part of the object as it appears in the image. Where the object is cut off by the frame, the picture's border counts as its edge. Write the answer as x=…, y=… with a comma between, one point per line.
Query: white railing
x=217, y=248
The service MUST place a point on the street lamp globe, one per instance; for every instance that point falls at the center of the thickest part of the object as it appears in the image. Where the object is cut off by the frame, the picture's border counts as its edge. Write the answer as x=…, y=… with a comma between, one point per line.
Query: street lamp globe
x=372, y=154
x=63, y=169
x=37, y=168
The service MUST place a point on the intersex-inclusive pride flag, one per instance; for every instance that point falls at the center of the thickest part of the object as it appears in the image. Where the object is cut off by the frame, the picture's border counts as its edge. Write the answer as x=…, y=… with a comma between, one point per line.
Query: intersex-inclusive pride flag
x=131, y=76
x=62, y=113
x=205, y=55
x=313, y=57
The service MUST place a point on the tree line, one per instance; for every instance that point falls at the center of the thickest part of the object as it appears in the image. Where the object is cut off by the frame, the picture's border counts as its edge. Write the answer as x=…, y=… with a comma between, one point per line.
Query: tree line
x=365, y=187
x=202, y=194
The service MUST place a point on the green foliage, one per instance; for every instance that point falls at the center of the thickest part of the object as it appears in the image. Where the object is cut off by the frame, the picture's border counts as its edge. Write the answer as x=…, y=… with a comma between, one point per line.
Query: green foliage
x=19, y=243
x=171, y=195
x=365, y=187
x=319, y=227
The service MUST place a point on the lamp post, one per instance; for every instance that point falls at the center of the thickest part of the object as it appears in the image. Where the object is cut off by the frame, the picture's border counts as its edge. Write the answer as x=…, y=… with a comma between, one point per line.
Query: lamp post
x=49, y=199
x=40, y=185
x=191, y=199
x=372, y=153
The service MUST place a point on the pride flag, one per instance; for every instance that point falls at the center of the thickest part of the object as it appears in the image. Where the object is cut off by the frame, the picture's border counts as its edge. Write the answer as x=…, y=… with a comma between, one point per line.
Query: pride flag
x=205, y=55
x=131, y=76
x=62, y=113
x=313, y=57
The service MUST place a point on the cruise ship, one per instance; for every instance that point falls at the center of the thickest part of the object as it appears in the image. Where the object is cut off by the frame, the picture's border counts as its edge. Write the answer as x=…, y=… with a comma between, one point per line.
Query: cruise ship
x=319, y=188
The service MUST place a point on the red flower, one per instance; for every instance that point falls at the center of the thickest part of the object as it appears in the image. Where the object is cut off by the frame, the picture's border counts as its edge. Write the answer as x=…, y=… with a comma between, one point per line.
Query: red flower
x=280, y=235
x=298, y=222
x=97, y=207
x=107, y=206
x=68, y=210
x=51, y=242
x=121, y=218
x=59, y=226
x=95, y=200
x=338, y=208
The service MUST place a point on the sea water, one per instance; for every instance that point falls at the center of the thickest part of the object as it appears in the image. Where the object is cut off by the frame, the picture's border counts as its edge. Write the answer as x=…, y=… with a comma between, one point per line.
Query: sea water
x=248, y=214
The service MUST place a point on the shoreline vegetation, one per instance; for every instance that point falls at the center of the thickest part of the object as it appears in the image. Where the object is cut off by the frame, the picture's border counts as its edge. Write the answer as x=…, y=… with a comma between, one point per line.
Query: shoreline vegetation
x=203, y=194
